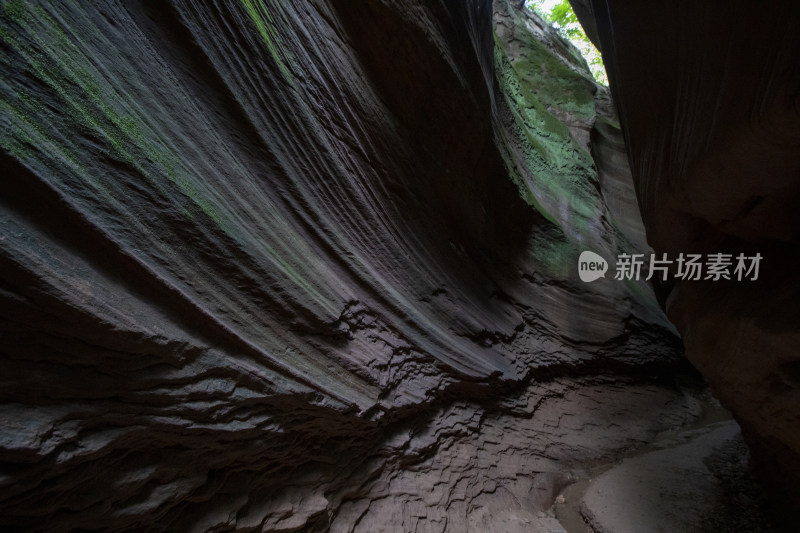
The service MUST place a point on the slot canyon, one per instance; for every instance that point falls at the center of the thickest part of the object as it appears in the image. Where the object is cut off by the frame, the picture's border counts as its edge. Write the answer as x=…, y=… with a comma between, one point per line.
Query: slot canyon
x=313, y=265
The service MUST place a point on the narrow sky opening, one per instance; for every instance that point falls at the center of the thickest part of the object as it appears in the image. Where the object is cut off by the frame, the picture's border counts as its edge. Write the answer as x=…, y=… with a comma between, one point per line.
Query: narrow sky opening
x=560, y=15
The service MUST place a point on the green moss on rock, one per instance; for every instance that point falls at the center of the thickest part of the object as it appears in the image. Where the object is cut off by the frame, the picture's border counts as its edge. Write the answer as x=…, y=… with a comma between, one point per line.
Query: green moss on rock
x=552, y=171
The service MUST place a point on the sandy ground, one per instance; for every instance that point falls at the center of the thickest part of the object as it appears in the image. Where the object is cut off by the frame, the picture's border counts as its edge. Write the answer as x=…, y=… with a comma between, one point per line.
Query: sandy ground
x=690, y=480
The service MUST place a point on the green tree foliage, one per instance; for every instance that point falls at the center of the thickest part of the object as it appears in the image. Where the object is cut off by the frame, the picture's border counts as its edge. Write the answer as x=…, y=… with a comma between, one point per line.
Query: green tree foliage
x=561, y=16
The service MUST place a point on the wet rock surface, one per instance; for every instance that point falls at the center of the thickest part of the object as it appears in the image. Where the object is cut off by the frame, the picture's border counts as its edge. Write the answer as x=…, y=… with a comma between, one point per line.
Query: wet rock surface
x=311, y=266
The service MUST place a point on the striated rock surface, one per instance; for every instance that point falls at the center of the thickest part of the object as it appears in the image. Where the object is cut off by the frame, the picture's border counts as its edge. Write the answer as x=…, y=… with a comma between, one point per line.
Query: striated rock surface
x=712, y=123
x=288, y=266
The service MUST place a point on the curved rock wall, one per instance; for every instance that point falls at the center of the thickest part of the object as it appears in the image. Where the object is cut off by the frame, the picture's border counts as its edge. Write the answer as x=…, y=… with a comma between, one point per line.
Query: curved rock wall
x=713, y=128
x=279, y=265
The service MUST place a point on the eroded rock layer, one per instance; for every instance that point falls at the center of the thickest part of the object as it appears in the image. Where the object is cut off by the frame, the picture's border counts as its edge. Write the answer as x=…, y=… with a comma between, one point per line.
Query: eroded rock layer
x=273, y=265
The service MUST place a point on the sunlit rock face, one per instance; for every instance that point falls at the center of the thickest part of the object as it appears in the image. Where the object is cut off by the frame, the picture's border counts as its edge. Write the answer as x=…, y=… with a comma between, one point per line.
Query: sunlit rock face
x=273, y=265
x=712, y=121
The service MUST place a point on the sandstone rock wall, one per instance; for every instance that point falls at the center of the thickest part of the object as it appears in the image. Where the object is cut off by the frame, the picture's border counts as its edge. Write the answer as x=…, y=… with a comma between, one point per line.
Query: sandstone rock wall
x=708, y=96
x=280, y=265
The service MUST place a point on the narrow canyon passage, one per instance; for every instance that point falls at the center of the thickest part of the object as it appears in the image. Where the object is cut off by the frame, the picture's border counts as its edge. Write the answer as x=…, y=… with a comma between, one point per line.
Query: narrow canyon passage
x=359, y=265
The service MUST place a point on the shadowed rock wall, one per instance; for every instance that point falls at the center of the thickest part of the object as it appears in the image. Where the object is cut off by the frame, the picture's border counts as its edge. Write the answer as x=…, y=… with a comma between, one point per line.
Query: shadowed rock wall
x=709, y=96
x=280, y=265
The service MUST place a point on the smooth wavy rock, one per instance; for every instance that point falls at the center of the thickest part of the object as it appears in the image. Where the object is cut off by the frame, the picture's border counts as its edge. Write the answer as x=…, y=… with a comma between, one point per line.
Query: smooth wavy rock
x=713, y=129
x=262, y=263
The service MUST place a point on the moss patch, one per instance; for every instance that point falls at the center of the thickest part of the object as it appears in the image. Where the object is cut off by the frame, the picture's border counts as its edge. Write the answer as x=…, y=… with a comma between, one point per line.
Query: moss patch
x=553, y=173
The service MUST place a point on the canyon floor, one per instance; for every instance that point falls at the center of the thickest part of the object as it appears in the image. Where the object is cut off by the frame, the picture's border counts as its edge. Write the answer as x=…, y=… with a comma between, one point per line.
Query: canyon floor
x=691, y=479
